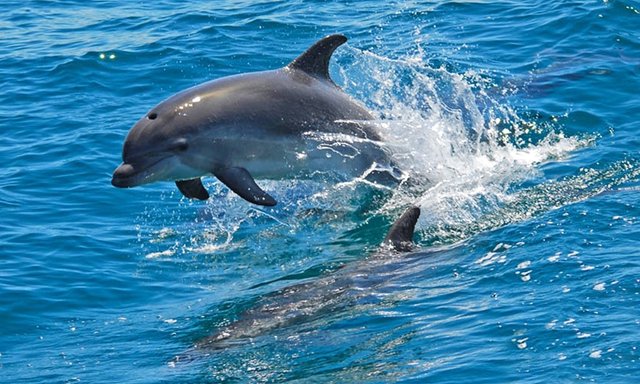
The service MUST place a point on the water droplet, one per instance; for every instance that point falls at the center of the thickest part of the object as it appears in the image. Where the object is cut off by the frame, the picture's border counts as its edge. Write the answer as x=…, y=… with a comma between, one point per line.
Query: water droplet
x=596, y=354
x=599, y=287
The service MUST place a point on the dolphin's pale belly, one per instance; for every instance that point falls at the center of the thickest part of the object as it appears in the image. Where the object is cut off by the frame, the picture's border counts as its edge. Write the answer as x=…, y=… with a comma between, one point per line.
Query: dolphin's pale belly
x=338, y=157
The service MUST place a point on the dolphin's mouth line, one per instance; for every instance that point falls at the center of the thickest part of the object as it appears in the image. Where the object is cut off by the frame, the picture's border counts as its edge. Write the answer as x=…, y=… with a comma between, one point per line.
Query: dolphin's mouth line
x=134, y=179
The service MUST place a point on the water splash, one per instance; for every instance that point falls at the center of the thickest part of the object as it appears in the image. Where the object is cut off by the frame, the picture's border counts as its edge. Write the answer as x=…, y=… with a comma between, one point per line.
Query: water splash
x=466, y=148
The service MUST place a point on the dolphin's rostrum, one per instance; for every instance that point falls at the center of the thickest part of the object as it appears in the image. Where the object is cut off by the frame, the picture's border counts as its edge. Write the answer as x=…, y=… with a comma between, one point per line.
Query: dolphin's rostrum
x=290, y=122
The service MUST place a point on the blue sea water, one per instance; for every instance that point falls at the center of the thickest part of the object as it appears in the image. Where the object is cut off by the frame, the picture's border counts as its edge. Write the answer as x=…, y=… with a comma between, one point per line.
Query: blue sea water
x=519, y=119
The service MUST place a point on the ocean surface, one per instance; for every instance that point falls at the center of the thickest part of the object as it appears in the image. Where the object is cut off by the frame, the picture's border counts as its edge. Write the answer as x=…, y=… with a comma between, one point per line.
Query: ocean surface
x=517, y=120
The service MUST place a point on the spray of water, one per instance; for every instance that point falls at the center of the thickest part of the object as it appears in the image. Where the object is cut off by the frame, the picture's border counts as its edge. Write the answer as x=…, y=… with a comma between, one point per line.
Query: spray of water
x=464, y=148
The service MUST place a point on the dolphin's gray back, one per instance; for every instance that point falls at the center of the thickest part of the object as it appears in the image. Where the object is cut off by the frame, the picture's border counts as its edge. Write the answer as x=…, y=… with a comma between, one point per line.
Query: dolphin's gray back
x=283, y=101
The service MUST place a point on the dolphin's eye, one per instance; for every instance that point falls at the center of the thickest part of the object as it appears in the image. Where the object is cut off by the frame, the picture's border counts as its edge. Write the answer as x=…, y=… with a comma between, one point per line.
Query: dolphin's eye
x=180, y=145
x=152, y=116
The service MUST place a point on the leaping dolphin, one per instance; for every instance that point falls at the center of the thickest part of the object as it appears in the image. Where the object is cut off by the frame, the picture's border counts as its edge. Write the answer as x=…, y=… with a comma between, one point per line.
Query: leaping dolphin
x=290, y=122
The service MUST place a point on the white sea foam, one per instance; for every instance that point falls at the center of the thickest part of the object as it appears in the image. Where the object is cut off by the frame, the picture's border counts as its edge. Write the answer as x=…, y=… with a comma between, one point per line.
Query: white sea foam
x=165, y=253
x=461, y=142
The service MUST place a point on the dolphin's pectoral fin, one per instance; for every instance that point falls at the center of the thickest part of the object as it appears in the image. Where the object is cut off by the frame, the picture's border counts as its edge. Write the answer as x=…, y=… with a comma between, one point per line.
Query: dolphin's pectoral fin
x=315, y=60
x=193, y=189
x=400, y=236
x=239, y=180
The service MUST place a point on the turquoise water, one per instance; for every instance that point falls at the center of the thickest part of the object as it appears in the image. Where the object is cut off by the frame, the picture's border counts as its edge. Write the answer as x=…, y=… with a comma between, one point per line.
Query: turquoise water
x=519, y=120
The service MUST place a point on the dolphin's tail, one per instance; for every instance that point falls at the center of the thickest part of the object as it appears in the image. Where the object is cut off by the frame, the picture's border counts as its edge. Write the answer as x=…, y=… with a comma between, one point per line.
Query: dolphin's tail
x=400, y=236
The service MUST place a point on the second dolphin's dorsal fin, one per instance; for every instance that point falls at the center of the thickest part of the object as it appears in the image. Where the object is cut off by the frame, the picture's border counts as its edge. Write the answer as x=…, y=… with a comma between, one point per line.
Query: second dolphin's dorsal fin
x=315, y=60
x=400, y=236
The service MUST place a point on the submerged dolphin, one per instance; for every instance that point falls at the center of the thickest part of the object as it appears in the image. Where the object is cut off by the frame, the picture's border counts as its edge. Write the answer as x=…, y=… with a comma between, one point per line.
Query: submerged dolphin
x=290, y=122
x=307, y=301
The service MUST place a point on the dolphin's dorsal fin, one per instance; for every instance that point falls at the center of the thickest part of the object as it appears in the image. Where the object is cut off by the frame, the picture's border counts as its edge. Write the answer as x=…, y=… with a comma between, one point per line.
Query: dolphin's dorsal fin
x=400, y=235
x=315, y=60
